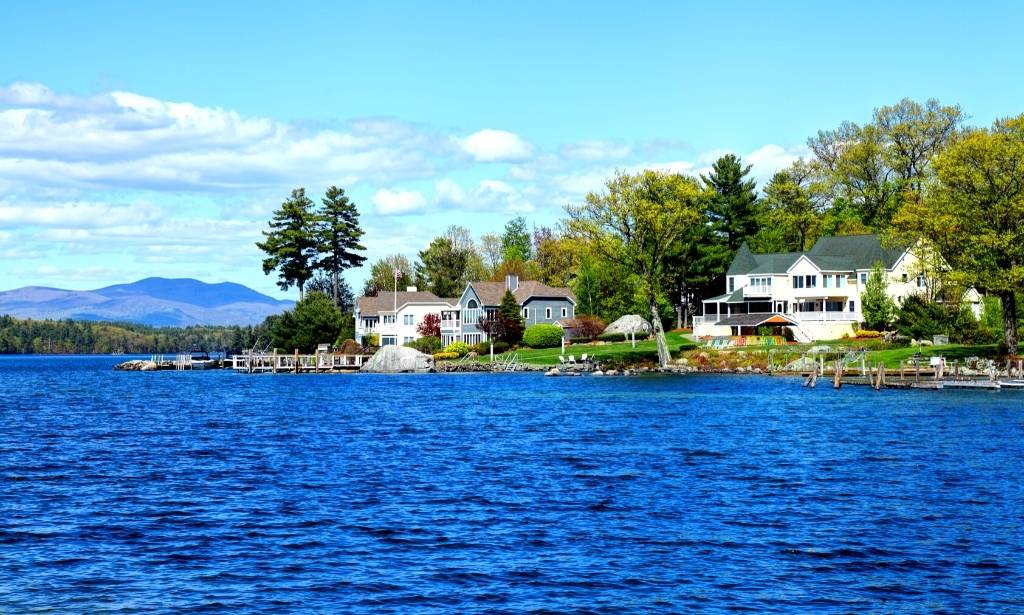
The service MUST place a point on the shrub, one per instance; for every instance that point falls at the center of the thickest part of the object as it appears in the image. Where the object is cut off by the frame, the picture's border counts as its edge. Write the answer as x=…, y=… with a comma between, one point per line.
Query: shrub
x=459, y=348
x=543, y=336
x=372, y=340
x=428, y=345
x=484, y=348
x=445, y=356
x=350, y=347
x=586, y=327
x=867, y=334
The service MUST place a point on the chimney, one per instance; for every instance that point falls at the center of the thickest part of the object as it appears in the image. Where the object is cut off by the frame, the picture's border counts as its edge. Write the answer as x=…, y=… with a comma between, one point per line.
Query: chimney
x=410, y=289
x=511, y=282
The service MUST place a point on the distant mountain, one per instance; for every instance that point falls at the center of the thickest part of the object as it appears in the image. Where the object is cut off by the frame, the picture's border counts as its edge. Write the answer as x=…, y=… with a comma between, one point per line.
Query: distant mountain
x=158, y=302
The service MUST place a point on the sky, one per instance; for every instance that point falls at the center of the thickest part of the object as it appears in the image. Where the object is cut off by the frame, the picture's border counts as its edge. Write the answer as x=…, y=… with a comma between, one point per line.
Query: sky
x=156, y=138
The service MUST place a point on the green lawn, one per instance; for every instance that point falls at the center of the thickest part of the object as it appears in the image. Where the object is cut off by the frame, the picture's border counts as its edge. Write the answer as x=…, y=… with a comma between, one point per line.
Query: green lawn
x=952, y=352
x=646, y=350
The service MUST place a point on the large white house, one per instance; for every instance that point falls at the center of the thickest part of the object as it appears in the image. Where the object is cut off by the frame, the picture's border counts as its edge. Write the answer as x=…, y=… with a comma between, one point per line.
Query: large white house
x=393, y=316
x=816, y=295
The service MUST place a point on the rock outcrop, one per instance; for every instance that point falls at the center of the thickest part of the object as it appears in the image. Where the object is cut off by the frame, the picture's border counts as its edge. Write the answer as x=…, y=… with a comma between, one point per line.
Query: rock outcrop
x=630, y=323
x=398, y=360
x=136, y=366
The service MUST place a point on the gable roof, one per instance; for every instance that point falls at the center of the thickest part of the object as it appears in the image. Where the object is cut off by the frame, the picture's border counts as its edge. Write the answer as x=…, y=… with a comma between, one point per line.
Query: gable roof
x=385, y=301
x=746, y=262
x=843, y=253
x=490, y=293
x=848, y=252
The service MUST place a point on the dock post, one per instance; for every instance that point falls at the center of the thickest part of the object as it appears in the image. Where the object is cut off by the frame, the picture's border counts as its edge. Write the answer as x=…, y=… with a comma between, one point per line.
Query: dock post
x=917, y=371
x=902, y=376
x=296, y=359
x=273, y=366
x=863, y=364
x=839, y=374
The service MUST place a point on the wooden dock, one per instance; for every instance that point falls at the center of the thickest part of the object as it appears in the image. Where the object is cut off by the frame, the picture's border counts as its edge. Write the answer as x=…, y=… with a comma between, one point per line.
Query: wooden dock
x=282, y=363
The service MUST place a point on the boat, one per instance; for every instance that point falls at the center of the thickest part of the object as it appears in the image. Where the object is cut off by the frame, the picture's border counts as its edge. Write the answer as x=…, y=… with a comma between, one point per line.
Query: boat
x=200, y=359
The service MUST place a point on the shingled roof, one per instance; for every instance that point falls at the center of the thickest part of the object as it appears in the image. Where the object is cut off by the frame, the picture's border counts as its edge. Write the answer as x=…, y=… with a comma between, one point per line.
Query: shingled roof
x=385, y=301
x=490, y=293
x=844, y=253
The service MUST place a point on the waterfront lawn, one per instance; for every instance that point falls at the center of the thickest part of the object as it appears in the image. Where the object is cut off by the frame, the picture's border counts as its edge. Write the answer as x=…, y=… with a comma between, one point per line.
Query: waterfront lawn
x=952, y=352
x=624, y=351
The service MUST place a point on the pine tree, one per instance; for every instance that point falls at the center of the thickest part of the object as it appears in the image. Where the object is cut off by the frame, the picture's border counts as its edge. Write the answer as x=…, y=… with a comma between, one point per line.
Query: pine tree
x=338, y=233
x=733, y=207
x=291, y=242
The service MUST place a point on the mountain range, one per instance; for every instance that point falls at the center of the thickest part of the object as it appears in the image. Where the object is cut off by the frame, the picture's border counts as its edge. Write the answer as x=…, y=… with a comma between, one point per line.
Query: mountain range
x=159, y=302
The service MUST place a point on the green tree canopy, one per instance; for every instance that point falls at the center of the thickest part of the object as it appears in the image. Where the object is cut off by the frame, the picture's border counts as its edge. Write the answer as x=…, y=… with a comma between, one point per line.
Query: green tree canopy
x=637, y=221
x=515, y=242
x=382, y=274
x=876, y=306
x=338, y=235
x=974, y=214
x=442, y=268
x=315, y=320
x=733, y=204
x=291, y=242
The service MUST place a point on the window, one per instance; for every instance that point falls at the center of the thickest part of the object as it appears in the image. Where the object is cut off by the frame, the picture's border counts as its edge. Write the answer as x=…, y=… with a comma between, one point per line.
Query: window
x=904, y=278
x=732, y=284
x=840, y=281
x=547, y=313
x=811, y=281
x=407, y=319
x=565, y=312
x=388, y=340
x=407, y=339
x=472, y=304
x=761, y=285
x=921, y=282
x=826, y=281
x=863, y=278
x=798, y=281
x=526, y=312
x=853, y=306
x=388, y=319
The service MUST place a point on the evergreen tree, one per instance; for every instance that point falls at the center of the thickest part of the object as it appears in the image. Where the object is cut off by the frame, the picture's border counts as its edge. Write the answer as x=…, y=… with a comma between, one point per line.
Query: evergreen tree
x=877, y=307
x=733, y=207
x=314, y=321
x=338, y=233
x=291, y=243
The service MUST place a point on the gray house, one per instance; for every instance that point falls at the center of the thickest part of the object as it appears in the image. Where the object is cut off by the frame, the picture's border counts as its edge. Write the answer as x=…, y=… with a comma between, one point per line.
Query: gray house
x=538, y=303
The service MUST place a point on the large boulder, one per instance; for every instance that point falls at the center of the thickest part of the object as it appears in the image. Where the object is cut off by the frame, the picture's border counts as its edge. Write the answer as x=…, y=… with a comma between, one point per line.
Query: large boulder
x=397, y=360
x=630, y=323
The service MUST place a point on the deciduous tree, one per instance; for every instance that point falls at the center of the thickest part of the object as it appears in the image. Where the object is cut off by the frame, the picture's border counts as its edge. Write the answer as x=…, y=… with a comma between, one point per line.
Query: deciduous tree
x=636, y=221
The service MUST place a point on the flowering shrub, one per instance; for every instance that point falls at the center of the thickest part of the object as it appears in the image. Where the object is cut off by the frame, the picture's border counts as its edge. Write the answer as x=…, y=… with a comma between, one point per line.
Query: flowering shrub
x=459, y=348
x=445, y=356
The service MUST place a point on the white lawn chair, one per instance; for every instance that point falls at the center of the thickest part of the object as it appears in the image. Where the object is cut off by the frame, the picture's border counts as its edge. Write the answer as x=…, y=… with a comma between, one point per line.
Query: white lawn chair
x=572, y=360
x=561, y=359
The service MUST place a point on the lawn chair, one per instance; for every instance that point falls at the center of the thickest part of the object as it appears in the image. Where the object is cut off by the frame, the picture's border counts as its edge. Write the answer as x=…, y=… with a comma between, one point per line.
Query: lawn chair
x=583, y=359
x=572, y=360
x=561, y=359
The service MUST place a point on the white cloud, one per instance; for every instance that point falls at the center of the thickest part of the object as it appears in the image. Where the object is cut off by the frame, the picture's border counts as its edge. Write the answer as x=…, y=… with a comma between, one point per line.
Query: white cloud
x=489, y=195
x=489, y=145
x=597, y=150
x=76, y=215
x=391, y=202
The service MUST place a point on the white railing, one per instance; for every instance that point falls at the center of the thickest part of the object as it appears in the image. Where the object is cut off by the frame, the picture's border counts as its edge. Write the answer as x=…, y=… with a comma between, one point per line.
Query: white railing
x=827, y=316
x=698, y=321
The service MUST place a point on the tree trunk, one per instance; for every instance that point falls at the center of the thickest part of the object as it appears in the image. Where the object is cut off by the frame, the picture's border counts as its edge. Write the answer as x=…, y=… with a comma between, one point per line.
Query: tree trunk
x=334, y=278
x=659, y=334
x=302, y=286
x=1009, y=301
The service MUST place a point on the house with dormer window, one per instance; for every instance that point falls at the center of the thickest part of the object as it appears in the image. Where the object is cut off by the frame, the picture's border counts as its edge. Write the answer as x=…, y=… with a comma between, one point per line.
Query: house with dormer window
x=813, y=295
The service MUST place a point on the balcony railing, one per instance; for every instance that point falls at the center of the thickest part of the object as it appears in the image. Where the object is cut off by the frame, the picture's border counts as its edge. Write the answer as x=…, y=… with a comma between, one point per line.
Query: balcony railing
x=827, y=316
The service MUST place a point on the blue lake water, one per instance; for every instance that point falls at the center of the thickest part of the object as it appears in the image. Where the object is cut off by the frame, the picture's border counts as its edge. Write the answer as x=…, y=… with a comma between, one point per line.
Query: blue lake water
x=211, y=491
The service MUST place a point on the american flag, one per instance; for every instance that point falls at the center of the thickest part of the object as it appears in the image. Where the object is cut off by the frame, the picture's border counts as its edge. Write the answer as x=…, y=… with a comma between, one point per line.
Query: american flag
x=398, y=273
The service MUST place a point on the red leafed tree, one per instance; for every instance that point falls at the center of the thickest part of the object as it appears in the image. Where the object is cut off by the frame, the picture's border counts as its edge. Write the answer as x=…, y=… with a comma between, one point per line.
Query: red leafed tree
x=430, y=326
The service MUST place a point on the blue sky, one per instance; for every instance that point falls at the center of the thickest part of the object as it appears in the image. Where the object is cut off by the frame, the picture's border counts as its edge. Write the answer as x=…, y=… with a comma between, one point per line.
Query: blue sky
x=149, y=138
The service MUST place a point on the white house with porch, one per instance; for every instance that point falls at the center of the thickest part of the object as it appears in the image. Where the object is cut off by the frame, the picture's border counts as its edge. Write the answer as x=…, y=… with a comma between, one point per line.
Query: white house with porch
x=393, y=316
x=813, y=295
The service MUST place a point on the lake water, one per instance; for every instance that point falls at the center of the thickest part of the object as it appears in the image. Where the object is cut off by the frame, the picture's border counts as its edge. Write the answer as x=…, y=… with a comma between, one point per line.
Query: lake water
x=211, y=491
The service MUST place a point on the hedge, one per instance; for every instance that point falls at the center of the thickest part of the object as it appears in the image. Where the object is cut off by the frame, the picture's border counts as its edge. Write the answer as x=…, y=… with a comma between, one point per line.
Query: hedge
x=442, y=356
x=543, y=336
x=484, y=348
